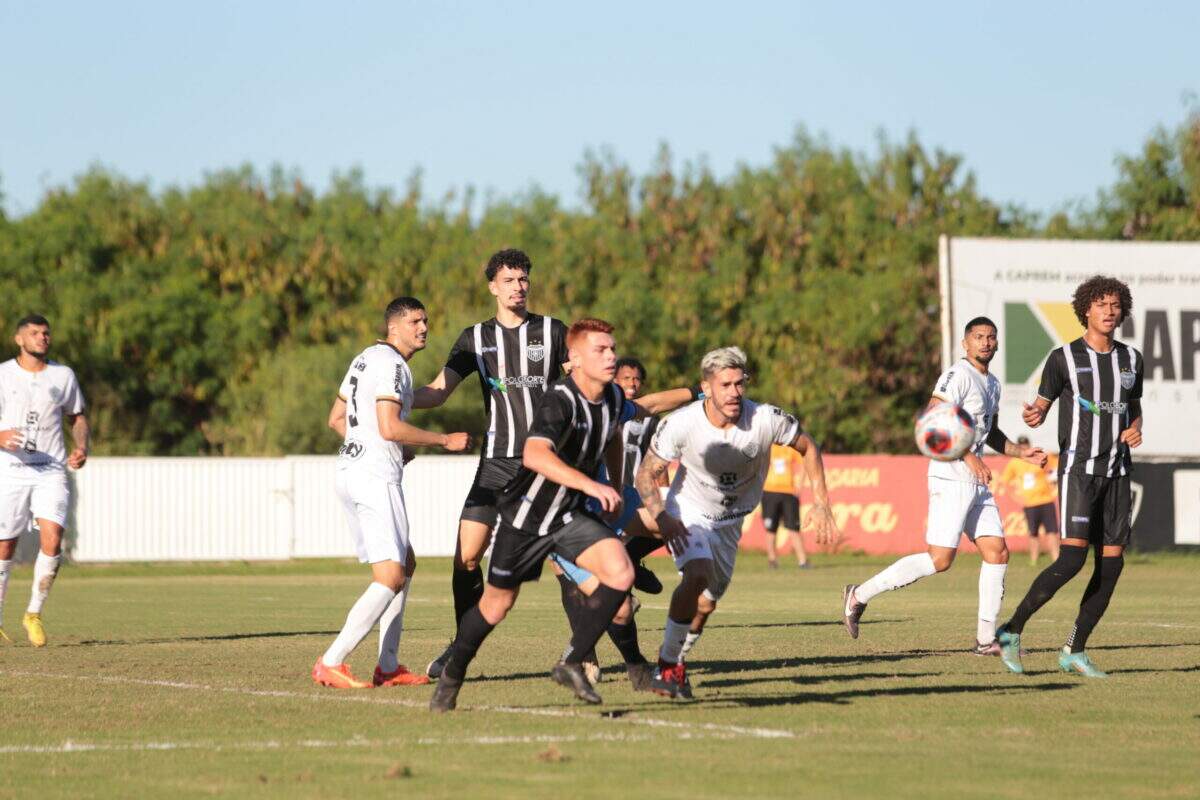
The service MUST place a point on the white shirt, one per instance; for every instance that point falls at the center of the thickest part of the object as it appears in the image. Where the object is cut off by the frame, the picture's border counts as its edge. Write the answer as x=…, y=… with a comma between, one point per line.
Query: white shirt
x=378, y=373
x=34, y=403
x=721, y=472
x=979, y=396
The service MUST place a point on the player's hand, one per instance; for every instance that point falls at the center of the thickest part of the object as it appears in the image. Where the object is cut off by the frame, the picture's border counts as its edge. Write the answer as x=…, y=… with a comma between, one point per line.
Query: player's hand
x=457, y=442
x=612, y=516
x=1034, y=455
x=11, y=439
x=77, y=458
x=820, y=520
x=674, y=533
x=609, y=498
x=980, y=470
x=1032, y=414
x=1132, y=436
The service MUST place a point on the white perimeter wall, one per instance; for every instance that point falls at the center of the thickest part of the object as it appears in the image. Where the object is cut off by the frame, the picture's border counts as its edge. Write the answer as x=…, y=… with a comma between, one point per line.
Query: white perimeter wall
x=169, y=509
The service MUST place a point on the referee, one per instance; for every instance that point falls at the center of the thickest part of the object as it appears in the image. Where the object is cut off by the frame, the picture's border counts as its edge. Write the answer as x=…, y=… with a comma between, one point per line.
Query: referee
x=1097, y=382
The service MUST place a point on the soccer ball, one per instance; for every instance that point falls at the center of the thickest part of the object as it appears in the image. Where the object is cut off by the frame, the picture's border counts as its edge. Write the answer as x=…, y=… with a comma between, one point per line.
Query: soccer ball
x=945, y=432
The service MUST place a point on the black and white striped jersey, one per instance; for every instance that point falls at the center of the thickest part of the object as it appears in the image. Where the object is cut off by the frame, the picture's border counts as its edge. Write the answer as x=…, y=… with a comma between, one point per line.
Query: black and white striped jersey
x=580, y=431
x=635, y=441
x=515, y=366
x=1098, y=395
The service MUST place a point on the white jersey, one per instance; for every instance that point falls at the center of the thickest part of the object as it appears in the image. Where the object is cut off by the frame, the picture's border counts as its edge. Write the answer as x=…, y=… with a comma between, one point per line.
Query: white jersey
x=979, y=396
x=34, y=404
x=722, y=470
x=378, y=373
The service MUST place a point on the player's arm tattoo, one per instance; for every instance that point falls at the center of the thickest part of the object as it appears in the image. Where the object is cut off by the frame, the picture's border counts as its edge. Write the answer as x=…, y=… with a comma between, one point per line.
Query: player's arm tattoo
x=647, y=480
x=438, y=390
x=81, y=432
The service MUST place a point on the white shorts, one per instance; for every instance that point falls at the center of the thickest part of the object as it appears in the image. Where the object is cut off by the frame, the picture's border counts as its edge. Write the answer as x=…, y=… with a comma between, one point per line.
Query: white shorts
x=958, y=507
x=720, y=546
x=375, y=512
x=46, y=496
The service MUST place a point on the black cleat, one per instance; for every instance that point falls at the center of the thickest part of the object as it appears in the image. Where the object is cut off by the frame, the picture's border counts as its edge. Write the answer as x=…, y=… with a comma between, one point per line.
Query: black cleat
x=640, y=676
x=644, y=579
x=445, y=695
x=434, y=670
x=571, y=676
x=852, y=610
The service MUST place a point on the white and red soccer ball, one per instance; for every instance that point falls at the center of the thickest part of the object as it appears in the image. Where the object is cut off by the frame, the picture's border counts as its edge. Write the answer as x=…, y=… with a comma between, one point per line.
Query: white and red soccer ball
x=945, y=432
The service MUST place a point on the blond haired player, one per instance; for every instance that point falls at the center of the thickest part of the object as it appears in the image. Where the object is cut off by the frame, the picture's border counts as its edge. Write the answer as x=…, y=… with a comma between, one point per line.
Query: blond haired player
x=371, y=413
x=781, y=502
x=35, y=395
x=1036, y=489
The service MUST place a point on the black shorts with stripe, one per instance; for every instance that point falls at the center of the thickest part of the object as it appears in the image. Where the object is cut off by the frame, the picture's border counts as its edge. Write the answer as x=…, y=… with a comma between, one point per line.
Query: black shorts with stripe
x=518, y=556
x=1095, y=508
x=780, y=507
x=1041, y=519
x=491, y=478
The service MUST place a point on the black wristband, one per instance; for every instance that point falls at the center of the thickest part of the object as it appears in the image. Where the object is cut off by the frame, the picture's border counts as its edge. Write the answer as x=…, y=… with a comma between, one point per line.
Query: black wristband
x=697, y=392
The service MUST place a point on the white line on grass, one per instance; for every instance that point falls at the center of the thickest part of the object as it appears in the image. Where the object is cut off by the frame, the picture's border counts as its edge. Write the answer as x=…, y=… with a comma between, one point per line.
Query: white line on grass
x=346, y=696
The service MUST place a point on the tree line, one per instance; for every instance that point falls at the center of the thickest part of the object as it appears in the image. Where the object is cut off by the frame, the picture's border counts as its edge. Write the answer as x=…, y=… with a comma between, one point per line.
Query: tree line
x=218, y=319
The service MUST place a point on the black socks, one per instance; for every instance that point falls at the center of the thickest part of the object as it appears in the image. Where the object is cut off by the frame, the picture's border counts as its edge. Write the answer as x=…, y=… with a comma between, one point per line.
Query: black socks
x=594, y=618
x=1052, y=578
x=468, y=588
x=472, y=630
x=1095, y=599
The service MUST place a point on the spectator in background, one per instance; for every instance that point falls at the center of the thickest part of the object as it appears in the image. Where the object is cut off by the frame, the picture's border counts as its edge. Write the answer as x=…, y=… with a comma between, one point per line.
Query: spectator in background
x=1035, y=488
x=781, y=502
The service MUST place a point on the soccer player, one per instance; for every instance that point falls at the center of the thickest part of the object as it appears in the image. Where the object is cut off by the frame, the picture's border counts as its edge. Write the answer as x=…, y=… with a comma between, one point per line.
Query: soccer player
x=781, y=502
x=371, y=413
x=544, y=511
x=36, y=393
x=724, y=445
x=1035, y=489
x=517, y=355
x=1097, y=382
x=959, y=498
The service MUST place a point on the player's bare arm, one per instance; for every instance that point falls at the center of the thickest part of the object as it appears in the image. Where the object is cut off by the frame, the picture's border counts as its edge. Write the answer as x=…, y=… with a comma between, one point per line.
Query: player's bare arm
x=1034, y=414
x=661, y=402
x=539, y=455
x=1002, y=444
x=649, y=476
x=337, y=417
x=438, y=390
x=81, y=434
x=820, y=518
x=394, y=429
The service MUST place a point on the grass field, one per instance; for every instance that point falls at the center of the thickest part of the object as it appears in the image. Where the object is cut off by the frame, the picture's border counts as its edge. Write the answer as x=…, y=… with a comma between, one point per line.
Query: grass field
x=182, y=680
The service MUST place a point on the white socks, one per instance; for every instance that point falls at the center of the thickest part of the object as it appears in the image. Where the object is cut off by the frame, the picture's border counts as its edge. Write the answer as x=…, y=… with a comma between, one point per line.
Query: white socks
x=5, y=568
x=362, y=617
x=991, y=596
x=44, y=571
x=689, y=642
x=902, y=573
x=673, y=638
x=391, y=624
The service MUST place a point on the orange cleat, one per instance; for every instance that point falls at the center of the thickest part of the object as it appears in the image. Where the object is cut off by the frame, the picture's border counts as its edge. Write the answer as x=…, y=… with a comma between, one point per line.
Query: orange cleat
x=401, y=677
x=338, y=677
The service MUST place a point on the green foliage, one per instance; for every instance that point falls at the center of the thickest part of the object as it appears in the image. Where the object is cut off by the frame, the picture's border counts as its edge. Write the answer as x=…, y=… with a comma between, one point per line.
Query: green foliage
x=218, y=319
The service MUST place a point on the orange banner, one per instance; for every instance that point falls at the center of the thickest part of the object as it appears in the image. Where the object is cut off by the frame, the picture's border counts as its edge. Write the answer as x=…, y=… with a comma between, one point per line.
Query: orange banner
x=881, y=504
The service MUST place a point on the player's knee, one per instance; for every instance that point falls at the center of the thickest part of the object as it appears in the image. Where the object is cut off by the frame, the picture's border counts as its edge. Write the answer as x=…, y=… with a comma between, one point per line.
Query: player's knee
x=624, y=613
x=619, y=576
x=942, y=561
x=495, y=606
x=705, y=605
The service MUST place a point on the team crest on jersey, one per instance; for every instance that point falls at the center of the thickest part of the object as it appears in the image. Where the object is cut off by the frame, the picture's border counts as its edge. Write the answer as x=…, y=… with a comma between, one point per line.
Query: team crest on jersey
x=1127, y=379
x=56, y=395
x=751, y=450
x=535, y=352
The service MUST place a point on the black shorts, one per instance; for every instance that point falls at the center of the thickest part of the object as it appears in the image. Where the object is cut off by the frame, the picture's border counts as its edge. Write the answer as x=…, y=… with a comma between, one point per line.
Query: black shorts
x=781, y=507
x=491, y=478
x=1095, y=508
x=1043, y=517
x=517, y=556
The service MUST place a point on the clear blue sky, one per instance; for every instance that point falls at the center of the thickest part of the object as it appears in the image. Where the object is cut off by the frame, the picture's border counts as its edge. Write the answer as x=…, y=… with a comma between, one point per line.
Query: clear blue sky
x=1039, y=97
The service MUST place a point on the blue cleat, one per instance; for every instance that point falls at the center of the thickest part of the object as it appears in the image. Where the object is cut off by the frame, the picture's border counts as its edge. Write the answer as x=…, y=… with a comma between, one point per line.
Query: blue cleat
x=1078, y=663
x=1010, y=649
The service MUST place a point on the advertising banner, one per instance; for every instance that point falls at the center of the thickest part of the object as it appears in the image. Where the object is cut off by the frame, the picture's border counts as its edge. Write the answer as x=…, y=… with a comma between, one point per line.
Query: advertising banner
x=1025, y=286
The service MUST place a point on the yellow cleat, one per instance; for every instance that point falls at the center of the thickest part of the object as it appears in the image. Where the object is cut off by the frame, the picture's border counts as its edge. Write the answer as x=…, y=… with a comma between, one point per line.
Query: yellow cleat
x=33, y=627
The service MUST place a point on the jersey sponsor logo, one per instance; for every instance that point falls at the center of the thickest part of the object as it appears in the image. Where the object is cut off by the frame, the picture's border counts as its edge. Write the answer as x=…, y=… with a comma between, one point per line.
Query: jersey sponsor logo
x=517, y=381
x=351, y=450
x=1083, y=369
x=497, y=384
x=1102, y=406
x=489, y=349
x=360, y=365
x=1127, y=379
x=1079, y=519
x=535, y=352
x=946, y=381
x=398, y=383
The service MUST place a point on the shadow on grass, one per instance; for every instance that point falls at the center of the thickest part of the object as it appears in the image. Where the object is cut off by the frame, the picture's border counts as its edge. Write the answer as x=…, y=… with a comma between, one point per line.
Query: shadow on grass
x=1193, y=668
x=811, y=624
x=216, y=637
x=808, y=680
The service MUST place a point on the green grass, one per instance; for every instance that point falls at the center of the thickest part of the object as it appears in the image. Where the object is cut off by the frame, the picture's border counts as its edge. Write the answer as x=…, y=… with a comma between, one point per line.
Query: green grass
x=787, y=705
